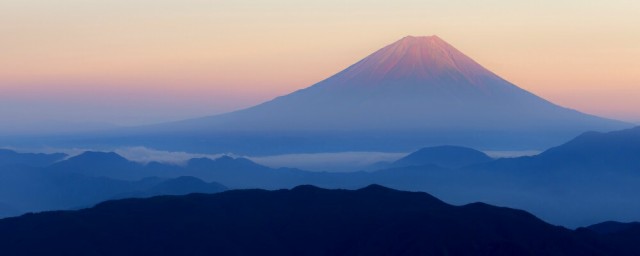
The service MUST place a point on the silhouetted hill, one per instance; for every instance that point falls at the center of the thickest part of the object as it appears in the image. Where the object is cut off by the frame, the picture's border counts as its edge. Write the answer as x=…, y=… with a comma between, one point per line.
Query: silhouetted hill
x=9, y=157
x=243, y=173
x=179, y=186
x=38, y=189
x=591, y=151
x=303, y=221
x=592, y=178
x=93, y=177
x=232, y=172
x=24, y=189
x=617, y=150
x=108, y=164
x=445, y=156
x=612, y=227
x=186, y=185
x=101, y=164
x=621, y=235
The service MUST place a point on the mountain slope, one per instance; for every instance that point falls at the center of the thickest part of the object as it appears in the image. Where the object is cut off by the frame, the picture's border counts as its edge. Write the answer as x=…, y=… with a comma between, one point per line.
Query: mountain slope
x=613, y=227
x=185, y=185
x=592, y=151
x=34, y=190
x=415, y=83
x=9, y=157
x=303, y=221
x=101, y=164
x=445, y=156
x=620, y=235
x=417, y=91
x=178, y=186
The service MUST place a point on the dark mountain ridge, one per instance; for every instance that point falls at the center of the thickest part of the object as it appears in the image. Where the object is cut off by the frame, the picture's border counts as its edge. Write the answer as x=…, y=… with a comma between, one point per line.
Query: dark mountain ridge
x=303, y=221
x=613, y=227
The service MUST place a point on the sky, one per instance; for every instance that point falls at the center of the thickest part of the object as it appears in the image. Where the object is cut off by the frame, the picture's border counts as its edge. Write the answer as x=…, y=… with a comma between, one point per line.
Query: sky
x=131, y=62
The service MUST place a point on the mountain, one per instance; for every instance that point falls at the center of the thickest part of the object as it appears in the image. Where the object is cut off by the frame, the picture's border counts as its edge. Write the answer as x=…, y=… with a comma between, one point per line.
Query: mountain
x=590, y=179
x=243, y=173
x=417, y=91
x=416, y=83
x=112, y=165
x=620, y=235
x=592, y=151
x=613, y=227
x=617, y=150
x=305, y=220
x=179, y=186
x=185, y=185
x=102, y=164
x=234, y=172
x=39, y=189
x=10, y=157
x=37, y=182
x=445, y=156
x=92, y=177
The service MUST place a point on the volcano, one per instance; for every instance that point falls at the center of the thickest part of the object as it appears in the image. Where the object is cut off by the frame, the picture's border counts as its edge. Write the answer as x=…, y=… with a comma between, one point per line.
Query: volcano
x=416, y=92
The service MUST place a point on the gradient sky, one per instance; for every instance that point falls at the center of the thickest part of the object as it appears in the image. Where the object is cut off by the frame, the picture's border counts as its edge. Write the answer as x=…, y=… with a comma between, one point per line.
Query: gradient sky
x=130, y=62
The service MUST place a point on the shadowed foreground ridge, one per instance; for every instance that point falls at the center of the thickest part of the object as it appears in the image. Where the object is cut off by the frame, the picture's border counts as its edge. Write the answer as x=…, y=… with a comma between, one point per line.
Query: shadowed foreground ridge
x=305, y=220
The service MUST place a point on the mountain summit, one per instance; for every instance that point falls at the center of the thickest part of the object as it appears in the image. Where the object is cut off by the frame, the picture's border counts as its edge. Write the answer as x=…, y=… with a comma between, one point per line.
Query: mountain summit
x=416, y=92
x=426, y=58
x=430, y=72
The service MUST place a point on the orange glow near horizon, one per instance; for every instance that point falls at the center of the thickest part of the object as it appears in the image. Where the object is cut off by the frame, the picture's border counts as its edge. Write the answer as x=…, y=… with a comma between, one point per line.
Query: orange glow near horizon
x=205, y=57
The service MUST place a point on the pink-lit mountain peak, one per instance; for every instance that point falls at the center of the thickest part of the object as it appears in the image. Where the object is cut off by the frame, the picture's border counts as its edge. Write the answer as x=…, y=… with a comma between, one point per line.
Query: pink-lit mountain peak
x=417, y=58
x=416, y=91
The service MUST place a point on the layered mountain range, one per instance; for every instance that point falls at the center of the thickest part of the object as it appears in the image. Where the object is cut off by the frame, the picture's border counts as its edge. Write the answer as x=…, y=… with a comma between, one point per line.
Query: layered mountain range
x=590, y=179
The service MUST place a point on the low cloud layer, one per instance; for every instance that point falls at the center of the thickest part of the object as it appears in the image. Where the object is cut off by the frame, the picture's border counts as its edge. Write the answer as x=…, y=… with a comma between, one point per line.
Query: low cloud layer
x=329, y=162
